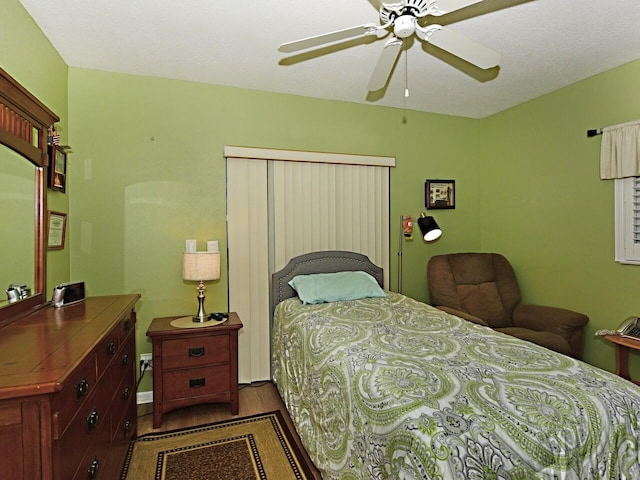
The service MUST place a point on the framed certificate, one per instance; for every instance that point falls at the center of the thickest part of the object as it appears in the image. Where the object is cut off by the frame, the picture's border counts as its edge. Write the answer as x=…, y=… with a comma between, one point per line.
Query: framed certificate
x=57, y=230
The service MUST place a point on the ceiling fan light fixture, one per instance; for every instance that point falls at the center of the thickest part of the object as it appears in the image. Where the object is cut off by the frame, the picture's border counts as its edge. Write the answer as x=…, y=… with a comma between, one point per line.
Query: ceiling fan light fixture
x=404, y=26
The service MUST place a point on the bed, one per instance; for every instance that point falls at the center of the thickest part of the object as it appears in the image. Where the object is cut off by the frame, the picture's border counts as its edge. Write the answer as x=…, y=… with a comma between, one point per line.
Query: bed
x=391, y=388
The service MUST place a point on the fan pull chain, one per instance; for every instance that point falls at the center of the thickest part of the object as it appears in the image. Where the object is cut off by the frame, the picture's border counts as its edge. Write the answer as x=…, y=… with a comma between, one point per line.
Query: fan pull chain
x=406, y=69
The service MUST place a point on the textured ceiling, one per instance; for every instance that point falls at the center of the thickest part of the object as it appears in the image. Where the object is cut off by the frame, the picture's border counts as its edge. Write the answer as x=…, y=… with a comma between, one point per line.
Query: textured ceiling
x=545, y=45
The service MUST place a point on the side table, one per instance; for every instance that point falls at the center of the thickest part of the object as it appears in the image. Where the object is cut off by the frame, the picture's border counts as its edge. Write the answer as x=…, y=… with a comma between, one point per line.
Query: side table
x=194, y=365
x=623, y=346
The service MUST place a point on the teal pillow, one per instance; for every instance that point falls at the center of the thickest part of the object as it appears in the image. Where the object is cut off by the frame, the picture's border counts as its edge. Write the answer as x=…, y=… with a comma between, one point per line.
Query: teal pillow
x=334, y=287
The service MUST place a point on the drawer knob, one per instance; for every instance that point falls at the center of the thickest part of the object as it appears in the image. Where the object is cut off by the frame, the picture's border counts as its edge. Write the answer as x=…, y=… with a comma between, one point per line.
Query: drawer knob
x=125, y=359
x=196, y=351
x=82, y=388
x=111, y=348
x=92, y=419
x=125, y=393
x=93, y=469
x=197, y=382
x=127, y=427
x=127, y=325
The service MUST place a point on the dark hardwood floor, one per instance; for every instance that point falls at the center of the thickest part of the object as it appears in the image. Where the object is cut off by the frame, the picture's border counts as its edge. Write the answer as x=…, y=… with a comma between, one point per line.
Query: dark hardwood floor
x=254, y=398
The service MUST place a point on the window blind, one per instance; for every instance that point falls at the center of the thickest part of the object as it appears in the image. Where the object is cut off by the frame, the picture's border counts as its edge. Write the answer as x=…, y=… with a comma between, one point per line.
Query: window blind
x=627, y=220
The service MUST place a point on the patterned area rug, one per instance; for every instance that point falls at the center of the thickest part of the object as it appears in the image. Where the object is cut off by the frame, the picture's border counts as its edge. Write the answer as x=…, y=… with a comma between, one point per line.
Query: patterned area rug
x=249, y=448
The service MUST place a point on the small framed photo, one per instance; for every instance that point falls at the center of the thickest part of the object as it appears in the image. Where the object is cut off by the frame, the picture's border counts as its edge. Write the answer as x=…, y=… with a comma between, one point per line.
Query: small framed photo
x=57, y=168
x=57, y=230
x=440, y=194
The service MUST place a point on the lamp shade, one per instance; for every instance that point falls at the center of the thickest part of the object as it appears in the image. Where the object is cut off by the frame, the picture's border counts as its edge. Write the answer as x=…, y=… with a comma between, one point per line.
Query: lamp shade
x=429, y=228
x=198, y=266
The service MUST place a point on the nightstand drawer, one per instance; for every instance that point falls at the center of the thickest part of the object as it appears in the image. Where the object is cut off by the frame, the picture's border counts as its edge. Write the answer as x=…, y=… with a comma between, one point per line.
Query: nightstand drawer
x=195, y=351
x=195, y=382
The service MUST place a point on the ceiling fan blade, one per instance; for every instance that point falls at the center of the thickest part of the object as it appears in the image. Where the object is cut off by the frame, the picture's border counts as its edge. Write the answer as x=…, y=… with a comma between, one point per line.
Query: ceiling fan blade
x=387, y=59
x=330, y=37
x=441, y=7
x=462, y=47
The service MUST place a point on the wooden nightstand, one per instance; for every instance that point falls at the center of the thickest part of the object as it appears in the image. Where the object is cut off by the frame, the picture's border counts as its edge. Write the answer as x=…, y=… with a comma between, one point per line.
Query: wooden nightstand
x=194, y=365
x=623, y=346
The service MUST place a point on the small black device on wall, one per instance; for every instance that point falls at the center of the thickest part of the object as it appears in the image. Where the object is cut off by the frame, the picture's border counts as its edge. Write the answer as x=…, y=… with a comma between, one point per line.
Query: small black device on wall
x=68, y=293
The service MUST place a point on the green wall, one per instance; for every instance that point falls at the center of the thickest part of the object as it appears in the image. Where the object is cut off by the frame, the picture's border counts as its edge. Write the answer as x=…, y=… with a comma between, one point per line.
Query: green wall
x=148, y=172
x=28, y=56
x=545, y=207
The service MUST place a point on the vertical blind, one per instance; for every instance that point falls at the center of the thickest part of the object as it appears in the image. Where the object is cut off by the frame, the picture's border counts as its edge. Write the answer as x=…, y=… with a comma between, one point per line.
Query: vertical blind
x=329, y=207
x=278, y=208
x=248, y=253
x=635, y=206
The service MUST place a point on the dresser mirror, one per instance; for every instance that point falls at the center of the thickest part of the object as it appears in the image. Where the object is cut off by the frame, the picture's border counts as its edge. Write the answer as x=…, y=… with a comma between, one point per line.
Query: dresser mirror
x=17, y=231
x=24, y=122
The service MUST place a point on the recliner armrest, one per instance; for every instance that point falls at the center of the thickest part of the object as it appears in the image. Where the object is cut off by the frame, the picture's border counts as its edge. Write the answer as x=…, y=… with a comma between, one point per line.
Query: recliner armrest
x=463, y=315
x=548, y=319
x=566, y=323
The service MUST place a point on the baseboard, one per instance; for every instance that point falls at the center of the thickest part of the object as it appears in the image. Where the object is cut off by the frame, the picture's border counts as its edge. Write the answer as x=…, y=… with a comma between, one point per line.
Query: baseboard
x=144, y=397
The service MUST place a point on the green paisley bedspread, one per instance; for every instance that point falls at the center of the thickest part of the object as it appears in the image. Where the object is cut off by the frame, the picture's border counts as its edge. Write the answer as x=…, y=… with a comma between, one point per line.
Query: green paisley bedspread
x=390, y=388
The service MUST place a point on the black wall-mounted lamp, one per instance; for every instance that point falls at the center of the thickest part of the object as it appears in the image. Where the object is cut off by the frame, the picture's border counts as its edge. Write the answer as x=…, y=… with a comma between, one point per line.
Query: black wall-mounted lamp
x=430, y=232
x=429, y=228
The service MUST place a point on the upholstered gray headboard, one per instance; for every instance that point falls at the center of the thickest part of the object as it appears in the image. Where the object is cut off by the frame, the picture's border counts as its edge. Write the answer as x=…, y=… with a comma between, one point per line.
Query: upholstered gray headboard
x=330, y=261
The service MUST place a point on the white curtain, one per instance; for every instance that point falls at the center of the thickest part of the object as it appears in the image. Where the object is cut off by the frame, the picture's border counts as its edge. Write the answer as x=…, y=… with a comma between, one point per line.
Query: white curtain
x=278, y=209
x=620, y=151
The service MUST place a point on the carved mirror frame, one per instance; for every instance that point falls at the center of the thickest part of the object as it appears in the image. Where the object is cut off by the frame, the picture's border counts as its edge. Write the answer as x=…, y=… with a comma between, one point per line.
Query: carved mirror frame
x=23, y=119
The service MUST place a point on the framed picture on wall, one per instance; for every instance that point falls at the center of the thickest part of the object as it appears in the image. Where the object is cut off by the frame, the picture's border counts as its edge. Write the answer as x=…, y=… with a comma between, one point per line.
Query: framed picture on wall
x=57, y=230
x=440, y=194
x=57, y=168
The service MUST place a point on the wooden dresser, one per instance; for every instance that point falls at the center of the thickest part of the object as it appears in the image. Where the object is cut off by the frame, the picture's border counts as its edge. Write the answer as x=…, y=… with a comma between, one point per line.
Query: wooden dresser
x=67, y=390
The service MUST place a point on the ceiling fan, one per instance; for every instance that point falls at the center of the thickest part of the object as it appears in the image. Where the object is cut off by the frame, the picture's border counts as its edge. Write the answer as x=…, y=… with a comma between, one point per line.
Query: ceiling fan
x=402, y=19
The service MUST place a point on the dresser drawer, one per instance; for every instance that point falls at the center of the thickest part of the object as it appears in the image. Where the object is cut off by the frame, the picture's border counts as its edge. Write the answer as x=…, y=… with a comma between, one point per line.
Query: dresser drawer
x=126, y=325
x=124, y=362
x=125, y=393
x=91, y=420
x=97, y=462
x=195, y=351
x=107, y=350
x=195, y=382
x=67, y=402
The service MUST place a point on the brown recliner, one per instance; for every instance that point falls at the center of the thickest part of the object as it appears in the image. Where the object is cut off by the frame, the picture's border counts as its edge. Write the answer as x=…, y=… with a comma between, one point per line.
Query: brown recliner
x=482, y=288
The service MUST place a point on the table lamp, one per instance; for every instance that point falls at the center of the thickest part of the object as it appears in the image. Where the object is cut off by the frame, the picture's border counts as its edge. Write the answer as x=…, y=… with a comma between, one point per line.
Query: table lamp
x=201, y=267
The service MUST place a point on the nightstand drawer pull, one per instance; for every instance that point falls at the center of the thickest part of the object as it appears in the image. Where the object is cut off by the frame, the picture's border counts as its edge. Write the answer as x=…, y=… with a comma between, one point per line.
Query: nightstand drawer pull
x=111, y=348
x=196, y=352
x=197, y=382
